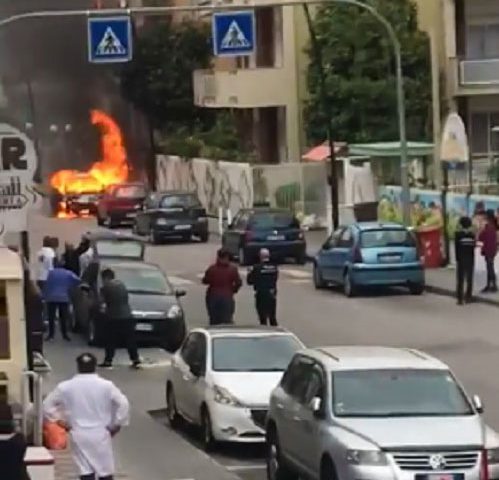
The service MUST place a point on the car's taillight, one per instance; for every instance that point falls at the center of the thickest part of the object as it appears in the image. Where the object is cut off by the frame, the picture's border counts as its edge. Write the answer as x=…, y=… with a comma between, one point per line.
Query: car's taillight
x=357, y=255
x=248, y=235
x=484, y=466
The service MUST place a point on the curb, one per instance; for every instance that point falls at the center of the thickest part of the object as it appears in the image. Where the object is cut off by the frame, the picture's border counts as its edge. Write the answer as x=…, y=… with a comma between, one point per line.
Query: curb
x=445, y=292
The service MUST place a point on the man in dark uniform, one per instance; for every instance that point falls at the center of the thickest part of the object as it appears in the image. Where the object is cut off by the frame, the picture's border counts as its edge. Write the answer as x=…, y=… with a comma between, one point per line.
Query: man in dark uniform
x=465, y=244
x=118, y=323
x=263, y=277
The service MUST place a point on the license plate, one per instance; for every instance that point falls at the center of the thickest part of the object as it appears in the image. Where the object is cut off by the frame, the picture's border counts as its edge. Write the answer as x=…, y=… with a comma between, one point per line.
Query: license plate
x=131, y=215
x=182, y=227
x=441, y=476
x=390, y=258
x=143, y=327
x=276, y=238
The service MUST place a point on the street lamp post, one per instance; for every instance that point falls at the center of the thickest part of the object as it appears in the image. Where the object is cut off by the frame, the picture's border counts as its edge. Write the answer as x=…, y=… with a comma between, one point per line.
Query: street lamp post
x=404, y=172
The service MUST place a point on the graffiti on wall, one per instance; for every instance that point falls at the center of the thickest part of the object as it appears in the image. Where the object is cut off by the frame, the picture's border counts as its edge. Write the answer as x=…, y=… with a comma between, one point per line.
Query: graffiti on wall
x=217, y=184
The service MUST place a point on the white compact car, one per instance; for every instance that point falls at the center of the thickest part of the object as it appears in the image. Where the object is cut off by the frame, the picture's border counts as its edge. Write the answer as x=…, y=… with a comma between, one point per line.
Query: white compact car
x=222, y=377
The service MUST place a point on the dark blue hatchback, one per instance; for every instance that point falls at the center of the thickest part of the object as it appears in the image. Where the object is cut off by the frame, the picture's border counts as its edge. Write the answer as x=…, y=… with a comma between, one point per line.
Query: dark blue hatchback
x=278, y=230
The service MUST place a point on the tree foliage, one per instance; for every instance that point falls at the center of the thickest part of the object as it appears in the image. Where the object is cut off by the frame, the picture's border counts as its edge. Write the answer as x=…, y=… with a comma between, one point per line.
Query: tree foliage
x=360, y=74
x=159, y=79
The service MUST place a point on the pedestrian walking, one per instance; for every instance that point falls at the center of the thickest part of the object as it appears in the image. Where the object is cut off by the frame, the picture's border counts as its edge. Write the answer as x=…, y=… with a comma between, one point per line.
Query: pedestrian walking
x=45, y=261
x=56, y=293
x=118, y=324
x=13, y=447
x=93, y=411
x=85, y=254
x=263, y=277
x=223, y=281
x=488, y=240
x=465, y=244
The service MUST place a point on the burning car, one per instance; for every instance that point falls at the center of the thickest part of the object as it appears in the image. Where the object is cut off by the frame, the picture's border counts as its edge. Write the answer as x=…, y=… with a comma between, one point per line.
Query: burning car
x=79, y=192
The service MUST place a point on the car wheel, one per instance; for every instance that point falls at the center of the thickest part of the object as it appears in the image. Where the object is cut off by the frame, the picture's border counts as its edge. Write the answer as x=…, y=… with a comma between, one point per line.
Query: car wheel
x=206, y=431
x=318, y=280
x=204, y=237
x=328, y=472
x=349, y=288
x=301, y=259
x=243, y=260
x=276, y=469
x=171, y=407
x=416, y=288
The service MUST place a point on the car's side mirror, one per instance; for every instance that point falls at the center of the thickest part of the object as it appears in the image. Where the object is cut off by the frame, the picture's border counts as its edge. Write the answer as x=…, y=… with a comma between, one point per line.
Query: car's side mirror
x=180, y=293
x=196, y=369
x=316, y=406
x=477, y=402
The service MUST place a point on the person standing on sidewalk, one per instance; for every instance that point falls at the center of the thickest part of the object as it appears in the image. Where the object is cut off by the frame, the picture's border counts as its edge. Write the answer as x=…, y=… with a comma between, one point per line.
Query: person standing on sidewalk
x=263, y=277
x=118, y=322
x=465, y=244
x=488, y=240
x=93, y=410
x=56, y=293
x=45, y=258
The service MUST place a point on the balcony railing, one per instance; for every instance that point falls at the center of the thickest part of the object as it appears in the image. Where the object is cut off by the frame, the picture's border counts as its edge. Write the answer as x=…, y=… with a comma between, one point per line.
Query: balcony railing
x=480, y=73
x=241, y=88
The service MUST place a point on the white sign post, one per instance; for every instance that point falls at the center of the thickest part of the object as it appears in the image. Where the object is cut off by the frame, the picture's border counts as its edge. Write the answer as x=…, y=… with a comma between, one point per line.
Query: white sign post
x=18, y=163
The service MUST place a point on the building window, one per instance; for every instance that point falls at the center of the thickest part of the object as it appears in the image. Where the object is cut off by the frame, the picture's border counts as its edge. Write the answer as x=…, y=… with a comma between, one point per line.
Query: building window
x=482, y=42
x=4, y=323
x=483, y=141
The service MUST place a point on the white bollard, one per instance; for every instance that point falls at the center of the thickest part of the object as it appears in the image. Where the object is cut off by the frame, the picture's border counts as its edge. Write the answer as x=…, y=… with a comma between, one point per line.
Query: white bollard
x=229, y=217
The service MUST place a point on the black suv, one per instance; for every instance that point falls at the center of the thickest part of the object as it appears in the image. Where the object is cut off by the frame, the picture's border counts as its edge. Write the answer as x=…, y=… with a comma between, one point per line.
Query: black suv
x=172, y=214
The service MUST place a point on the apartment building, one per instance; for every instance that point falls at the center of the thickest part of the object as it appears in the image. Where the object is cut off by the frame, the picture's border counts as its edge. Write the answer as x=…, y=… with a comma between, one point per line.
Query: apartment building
x=467, y=38
x=266, y=89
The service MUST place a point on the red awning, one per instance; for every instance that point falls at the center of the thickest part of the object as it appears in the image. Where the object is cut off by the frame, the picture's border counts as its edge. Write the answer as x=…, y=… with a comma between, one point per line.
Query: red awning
x=321, y=153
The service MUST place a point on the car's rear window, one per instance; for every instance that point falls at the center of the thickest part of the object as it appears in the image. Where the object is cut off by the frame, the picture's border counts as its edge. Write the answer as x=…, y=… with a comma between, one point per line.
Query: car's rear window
x=178, y=201
x=130, y=249
x=131, y=191
x=273, y=220
x=393, y=237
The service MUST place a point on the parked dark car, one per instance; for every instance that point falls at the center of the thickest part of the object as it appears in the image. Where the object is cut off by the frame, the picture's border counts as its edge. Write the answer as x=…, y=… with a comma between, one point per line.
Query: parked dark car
x=278, y=230
x=120, y=203
x=83, y=202
x=172, y=214
x=156, y=309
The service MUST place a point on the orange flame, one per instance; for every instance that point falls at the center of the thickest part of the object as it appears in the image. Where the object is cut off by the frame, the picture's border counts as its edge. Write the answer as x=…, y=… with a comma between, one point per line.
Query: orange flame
x=111, y=169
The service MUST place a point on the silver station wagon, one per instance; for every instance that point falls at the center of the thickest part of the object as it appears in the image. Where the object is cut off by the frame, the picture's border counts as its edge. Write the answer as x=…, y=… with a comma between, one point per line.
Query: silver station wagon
x=376, y=413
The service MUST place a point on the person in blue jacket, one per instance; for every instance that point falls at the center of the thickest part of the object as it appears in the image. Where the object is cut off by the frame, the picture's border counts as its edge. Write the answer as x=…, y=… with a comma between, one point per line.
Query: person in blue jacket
x=56, y=293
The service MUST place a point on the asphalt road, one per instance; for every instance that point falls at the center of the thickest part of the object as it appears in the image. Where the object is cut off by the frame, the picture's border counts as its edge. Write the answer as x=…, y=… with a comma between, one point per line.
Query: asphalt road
x=466, y=338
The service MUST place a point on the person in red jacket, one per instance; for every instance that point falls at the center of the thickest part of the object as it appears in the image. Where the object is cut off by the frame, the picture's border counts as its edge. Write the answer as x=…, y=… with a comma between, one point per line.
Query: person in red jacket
x=223, y=282
x=488, y=239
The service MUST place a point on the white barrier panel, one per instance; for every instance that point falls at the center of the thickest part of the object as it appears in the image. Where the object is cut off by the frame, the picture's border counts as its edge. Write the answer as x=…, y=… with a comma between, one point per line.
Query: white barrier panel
x=40, y=463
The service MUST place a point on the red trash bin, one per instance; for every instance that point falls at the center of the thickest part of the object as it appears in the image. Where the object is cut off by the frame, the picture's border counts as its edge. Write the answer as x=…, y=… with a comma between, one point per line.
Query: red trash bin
x=430, y=243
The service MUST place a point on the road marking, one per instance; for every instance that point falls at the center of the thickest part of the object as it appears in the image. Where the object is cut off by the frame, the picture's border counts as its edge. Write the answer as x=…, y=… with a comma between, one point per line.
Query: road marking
x=296, y=273
x=179, y=281
x=238, y=468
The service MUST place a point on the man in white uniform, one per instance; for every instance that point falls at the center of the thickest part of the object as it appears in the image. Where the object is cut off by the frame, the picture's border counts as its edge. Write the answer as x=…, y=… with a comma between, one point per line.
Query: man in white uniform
x=45, y=262
x=93, y=410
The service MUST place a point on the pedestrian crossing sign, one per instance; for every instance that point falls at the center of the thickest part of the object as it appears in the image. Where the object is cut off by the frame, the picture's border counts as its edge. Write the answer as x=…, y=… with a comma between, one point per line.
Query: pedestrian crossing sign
x=234, y=33
x=109, y=39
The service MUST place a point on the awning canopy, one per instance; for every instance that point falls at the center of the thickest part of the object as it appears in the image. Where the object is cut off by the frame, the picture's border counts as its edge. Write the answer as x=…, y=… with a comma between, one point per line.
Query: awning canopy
x=391, y=149
x=320, y=153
